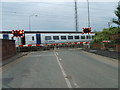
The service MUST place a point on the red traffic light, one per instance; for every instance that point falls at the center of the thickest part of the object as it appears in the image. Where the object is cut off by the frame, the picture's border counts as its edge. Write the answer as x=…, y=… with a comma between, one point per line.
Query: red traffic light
x=86, y=30
x=18, y=33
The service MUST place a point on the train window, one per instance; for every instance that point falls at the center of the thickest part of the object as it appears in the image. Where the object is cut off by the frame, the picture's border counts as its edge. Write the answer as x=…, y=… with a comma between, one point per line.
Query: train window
x=47, y=37
x=56, y=37
x=88, y=37
x=70, y=37
x=32, y=38
x=82, y=37
x=63, y=37
x=76, y=37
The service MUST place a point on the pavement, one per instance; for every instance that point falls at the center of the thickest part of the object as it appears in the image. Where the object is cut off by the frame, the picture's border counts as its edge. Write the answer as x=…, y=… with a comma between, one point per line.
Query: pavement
x=105, y=53
x=18, y=55
x=61, y=68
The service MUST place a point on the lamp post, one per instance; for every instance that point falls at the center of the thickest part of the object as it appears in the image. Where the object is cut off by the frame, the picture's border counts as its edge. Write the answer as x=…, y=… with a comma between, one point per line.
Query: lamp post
x=30, y=21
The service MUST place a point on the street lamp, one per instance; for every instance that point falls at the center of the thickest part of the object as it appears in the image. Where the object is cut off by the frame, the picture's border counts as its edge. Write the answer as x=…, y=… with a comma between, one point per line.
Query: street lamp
x=30, y=21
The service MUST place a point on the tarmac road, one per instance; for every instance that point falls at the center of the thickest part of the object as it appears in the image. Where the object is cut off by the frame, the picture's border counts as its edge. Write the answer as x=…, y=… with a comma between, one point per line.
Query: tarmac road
x=61, y=68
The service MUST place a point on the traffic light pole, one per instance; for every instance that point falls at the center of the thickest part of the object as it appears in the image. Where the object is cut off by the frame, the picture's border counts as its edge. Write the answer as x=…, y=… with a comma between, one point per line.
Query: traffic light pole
x=18, y=44
x=88, y=41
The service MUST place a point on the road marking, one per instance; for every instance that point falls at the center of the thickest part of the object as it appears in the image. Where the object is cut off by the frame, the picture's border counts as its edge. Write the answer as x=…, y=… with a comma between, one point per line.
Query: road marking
x=33, y=52
x=60, y=59
x=63, y=72
x=76, y=85
x=57, y=53
x=44, y=51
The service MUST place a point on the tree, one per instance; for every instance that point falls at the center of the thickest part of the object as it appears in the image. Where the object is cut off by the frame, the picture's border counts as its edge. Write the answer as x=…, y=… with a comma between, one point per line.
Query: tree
x=117, y=13
x=106, y=33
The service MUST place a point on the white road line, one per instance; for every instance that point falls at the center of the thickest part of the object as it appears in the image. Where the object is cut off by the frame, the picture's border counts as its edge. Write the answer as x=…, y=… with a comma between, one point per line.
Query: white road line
x=44, y=51
x=57, y=53
x=63, y=71
x=60, y=59
x=76, y=85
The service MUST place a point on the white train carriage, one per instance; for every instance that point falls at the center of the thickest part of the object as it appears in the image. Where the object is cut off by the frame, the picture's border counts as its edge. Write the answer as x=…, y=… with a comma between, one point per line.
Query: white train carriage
x=63, y=38
x=50, y=38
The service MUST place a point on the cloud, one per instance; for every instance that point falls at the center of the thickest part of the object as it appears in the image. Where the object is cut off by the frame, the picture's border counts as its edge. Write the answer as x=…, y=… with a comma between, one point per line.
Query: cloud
x=59, y=0
x=55, y=16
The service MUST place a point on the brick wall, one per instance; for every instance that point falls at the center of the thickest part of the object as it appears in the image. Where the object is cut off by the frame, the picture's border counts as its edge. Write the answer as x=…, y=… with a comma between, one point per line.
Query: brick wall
x=114, y=36
x=8, y=48
x=97, y=45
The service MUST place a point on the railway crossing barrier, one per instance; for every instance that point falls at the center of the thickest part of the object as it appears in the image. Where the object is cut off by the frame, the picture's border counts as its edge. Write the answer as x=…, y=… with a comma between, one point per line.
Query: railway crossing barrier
x=38, y=47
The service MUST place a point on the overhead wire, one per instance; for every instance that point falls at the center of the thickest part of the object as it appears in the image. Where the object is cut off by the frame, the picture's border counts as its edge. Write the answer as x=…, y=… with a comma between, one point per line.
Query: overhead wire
x=41, y=14
x=71, y=5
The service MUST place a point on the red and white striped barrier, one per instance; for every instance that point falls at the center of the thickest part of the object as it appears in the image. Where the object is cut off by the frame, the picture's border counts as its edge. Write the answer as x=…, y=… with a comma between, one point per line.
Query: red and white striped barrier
x=53, y=44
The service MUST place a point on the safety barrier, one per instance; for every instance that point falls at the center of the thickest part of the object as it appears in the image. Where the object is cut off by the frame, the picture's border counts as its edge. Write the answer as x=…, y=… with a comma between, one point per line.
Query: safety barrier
x=41, y=47
x=53, y=44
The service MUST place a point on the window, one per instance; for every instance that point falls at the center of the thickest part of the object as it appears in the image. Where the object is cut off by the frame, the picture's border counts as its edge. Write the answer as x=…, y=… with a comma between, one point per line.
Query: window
x=32, y=38
x=70, y=37
x=82, y=37
x=56, y=37
x=76, y=37
x=47, y=37
x=88, y=37
x=63, y=37
x=93, y=36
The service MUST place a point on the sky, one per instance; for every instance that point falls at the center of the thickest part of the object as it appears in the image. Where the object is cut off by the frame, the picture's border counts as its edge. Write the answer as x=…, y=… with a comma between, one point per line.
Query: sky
x=54, y=15
x=58, y=0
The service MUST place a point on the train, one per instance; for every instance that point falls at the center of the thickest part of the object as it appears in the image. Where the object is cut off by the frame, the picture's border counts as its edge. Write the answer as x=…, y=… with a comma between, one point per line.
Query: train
x=49, y=38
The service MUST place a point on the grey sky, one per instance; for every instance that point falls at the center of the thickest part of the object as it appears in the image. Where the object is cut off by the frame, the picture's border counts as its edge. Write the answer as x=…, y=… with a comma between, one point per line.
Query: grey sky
x=55, y=15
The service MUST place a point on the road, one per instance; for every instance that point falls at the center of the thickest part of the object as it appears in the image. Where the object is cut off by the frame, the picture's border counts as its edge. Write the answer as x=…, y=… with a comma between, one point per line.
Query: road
x=61, y=68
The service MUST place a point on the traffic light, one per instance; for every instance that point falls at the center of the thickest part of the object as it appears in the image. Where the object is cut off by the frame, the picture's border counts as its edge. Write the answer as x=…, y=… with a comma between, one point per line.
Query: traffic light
x=18, y=33
x=86, y=30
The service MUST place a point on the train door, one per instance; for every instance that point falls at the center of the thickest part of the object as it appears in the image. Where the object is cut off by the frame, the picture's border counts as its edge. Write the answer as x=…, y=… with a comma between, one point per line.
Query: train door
x=38, y=38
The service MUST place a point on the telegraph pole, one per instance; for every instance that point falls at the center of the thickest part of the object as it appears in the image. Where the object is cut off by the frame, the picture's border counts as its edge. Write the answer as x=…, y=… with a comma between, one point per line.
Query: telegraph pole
x=88, y=20
x=88, y=13
x=76, y=17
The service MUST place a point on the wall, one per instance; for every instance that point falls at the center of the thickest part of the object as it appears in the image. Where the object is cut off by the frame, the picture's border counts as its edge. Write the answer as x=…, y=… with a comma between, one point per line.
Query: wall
x=114, y=36
x=8, y=48
x=98, y=45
